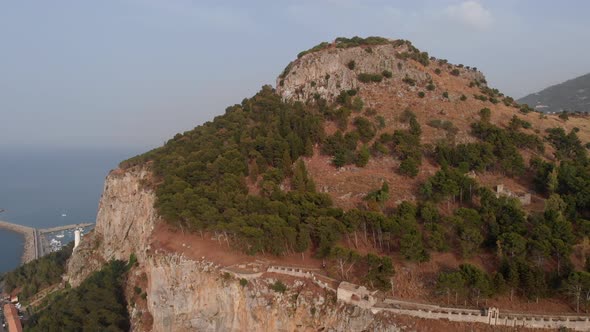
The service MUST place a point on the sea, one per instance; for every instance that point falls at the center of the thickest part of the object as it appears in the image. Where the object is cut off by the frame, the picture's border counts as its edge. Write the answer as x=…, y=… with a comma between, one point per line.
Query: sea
x=43, y=188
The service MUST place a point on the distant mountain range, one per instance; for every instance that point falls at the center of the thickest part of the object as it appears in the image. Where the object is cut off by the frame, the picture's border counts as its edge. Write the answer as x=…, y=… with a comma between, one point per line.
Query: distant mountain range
x=571, y=96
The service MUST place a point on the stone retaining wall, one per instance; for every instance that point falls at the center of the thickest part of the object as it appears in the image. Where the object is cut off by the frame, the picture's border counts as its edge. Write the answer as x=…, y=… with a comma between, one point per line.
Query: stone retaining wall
x=301, y=273
x=489, y=316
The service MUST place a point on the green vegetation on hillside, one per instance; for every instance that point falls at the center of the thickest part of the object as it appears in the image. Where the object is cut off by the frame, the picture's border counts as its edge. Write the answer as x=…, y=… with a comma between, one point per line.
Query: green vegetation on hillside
x=343, y=42
x=370, y=77
x=32, y=277
x=98, y=304
x=242, y=177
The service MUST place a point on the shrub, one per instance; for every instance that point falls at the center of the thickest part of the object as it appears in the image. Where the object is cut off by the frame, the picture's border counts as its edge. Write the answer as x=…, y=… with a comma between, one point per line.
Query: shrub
x=437, y=71
x=409, y=167
x=441, y=124
x=463, y=98
x=316, y=48
x=357, y=104
x=421, y=94
x=525, y=109
x=343, y=42
x=380, y=121
x=485, y=114
x=343, y=98
x=508, y=101
x=409, y=81
x=362, y=157
x=564, y=115
x=517, y=122
x=351, y=64
x=445, y=95
x=455, y=72
x=278, y=287
x=365, y=128
x=243, y=282
x=368, y=77
x=387, y=73
x=430, y=87
x=371, y=112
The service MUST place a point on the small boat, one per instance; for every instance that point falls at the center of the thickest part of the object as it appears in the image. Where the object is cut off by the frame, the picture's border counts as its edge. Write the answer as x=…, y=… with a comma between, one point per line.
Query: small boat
x=64, y=215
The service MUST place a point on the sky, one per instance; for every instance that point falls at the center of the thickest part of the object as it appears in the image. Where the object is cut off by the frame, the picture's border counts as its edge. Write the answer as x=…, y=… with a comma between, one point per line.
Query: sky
x=132, y=73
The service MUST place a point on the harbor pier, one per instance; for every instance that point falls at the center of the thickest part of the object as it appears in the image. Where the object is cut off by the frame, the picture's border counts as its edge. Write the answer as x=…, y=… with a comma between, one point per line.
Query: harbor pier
x=34, y=247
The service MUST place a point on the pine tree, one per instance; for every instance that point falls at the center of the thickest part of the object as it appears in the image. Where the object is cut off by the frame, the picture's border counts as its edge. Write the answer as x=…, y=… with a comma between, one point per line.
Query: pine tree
x=362, y=158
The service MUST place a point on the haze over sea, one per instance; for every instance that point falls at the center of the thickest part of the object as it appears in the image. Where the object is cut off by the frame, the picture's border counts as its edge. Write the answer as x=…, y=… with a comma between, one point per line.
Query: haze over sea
x=37, y=186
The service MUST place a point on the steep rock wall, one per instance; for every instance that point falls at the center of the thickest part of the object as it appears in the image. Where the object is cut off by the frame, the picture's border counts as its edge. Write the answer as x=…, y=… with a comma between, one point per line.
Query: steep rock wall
x=185, y=295
x=124, y=223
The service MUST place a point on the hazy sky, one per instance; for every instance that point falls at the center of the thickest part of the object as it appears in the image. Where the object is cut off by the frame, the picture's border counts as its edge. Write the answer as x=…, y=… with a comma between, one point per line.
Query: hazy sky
x=132, y=73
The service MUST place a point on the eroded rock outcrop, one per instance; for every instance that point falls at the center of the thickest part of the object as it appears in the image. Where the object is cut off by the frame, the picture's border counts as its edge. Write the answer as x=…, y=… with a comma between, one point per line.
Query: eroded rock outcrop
x=124, y=223
x=324, y=74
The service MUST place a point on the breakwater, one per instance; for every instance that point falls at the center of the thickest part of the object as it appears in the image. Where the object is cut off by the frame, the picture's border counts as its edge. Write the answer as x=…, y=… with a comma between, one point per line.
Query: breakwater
x=34, y=247
x=31, y=249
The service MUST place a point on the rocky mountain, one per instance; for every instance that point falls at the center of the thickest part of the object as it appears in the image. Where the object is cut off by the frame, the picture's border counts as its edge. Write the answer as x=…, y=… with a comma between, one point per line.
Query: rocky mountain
x=371, y=179
x=570, y=96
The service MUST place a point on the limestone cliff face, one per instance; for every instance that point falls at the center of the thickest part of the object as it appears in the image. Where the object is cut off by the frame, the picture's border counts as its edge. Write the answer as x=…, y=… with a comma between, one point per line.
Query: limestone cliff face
x=325, y=73
x=125, y=220
x=188, y=295
x=185, y=295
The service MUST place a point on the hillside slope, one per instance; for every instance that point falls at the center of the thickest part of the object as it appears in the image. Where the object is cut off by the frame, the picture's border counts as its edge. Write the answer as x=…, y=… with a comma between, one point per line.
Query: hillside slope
x=571, y=96
x=453, y=96
x=371, y=163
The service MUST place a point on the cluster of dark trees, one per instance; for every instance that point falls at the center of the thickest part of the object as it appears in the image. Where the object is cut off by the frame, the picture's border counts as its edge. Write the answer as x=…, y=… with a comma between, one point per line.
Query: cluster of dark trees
x=344, y=148
x=403, y=144
x=534, y=249
x=376, y=270
x=38, y=274
x=498, y=149
x=98, y=304
x=570, y=178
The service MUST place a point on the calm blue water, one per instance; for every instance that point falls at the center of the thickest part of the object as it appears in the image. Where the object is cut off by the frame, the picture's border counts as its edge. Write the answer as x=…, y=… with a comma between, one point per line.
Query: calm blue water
x=38, y=186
